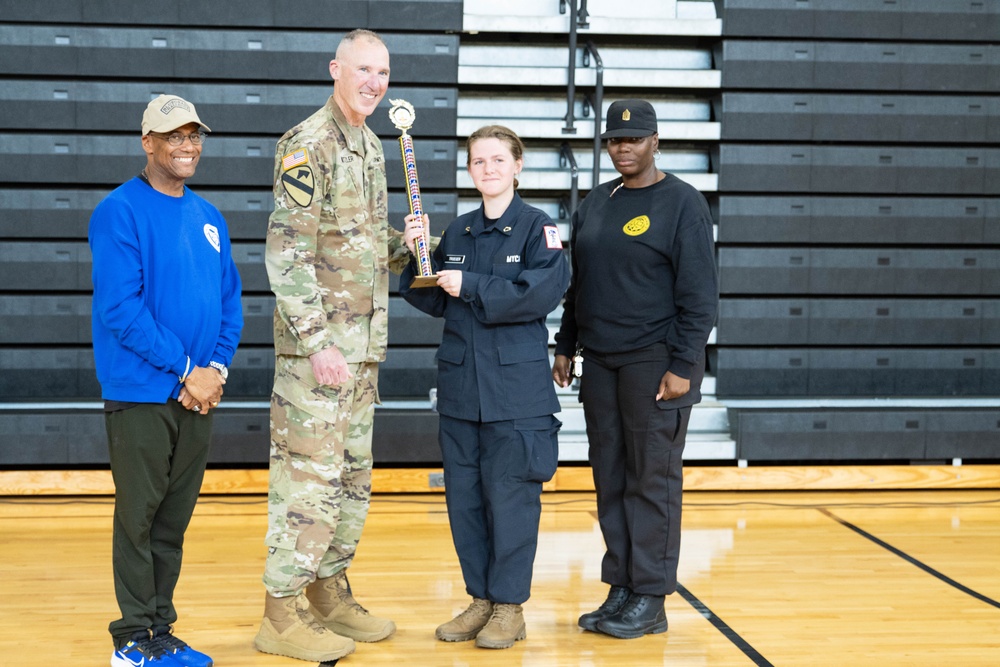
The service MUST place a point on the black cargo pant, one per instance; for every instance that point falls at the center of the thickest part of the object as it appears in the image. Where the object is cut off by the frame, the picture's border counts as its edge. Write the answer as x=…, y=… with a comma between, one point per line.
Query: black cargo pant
x=158, y=455
x=636, y=444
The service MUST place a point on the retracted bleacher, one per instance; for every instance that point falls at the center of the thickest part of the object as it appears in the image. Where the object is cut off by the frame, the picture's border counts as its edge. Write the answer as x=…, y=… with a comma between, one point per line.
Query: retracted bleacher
x=858, y=227
x=76, y=80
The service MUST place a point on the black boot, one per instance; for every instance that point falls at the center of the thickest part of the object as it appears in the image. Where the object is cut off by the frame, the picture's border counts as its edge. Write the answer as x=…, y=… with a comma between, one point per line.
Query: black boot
x=617, y=597
x=641, y=615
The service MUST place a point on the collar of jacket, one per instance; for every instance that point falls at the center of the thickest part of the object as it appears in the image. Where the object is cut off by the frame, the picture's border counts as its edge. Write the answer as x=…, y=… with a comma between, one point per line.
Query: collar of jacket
x=505, y=225
x=352, y=135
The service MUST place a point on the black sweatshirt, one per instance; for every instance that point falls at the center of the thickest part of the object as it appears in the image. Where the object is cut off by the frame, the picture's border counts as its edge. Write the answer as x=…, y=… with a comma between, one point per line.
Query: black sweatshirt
x=643, y=273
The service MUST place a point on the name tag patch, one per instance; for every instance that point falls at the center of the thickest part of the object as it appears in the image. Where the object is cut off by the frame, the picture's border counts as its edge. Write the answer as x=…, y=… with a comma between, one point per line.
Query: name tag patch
x=455, y=259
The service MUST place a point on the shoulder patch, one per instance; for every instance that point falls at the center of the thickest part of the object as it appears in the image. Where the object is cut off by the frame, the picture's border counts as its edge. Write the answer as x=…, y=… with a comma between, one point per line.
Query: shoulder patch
x=552, y=240
x=293, y=160
x=299, y=185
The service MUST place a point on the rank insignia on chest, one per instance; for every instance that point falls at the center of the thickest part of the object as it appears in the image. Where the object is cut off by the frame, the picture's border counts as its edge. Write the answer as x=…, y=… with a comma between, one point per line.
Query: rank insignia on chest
x=552, y=240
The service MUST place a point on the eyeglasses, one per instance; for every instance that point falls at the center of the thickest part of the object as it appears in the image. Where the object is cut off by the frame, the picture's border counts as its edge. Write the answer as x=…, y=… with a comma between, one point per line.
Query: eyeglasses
x=177, y=139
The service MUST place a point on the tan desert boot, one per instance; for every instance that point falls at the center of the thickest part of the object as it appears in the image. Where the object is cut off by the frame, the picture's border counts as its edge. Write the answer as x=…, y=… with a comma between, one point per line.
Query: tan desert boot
x=466, y=625
x=505, y=627
x=289, y=629
x=334, y=606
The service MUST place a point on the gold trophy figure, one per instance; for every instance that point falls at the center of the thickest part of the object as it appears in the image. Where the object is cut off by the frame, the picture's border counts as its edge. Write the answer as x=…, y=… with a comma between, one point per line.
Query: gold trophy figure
x=401, y=114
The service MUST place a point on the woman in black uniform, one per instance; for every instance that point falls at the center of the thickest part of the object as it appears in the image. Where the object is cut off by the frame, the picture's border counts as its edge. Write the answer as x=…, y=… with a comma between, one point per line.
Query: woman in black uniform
x=501, y=271
x=640, y=308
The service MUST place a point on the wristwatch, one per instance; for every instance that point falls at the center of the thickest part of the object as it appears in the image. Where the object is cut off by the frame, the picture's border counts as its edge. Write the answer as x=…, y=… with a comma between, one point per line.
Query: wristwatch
x=223, y=371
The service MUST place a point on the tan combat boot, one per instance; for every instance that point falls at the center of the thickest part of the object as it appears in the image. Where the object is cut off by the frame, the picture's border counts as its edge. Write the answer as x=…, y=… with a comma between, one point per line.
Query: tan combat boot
x=505, y=627
x=289, y=629
x=466, y=625
x=335, y=607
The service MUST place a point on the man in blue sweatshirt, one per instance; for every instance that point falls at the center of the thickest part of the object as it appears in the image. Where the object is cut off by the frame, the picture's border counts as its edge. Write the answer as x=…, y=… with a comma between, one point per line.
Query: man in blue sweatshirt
x=166, y=322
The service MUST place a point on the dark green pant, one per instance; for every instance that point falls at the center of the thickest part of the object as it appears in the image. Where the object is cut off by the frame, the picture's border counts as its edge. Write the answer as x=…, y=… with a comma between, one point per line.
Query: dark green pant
x=158, y=455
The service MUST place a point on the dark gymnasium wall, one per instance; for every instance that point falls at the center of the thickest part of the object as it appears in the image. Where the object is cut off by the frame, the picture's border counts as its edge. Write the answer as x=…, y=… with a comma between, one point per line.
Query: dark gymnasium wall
x=858, y=210
x=76, y=77
x=859, y=228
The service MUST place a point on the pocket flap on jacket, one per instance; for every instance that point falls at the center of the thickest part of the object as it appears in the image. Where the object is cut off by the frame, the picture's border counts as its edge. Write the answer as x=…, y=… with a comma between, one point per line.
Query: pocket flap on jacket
x=518, y=354
x=453, y=353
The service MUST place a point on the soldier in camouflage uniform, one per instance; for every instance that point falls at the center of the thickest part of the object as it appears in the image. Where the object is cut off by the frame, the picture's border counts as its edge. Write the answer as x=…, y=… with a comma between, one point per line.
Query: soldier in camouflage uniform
x=329, y=250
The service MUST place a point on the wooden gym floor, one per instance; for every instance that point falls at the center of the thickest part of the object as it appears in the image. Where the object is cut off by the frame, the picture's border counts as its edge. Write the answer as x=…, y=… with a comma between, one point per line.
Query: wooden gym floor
x=880, y=578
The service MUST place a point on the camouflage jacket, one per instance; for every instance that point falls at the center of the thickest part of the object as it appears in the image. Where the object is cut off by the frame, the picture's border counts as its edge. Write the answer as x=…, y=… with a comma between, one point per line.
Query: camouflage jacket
x=329, y=242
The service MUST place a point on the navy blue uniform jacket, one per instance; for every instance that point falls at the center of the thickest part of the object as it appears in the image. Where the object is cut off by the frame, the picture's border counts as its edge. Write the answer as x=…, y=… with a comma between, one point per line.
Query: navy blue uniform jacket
x=493, y=362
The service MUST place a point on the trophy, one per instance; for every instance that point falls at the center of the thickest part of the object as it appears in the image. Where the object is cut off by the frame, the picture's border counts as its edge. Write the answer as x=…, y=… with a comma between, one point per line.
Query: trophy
x=401, y=114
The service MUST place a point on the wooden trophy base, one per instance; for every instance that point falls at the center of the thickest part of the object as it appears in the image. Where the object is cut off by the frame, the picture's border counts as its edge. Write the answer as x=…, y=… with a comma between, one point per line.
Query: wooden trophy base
x=425, y=281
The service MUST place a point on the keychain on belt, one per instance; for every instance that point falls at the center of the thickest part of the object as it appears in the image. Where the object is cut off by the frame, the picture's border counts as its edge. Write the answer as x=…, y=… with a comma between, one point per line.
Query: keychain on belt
x=578, y=363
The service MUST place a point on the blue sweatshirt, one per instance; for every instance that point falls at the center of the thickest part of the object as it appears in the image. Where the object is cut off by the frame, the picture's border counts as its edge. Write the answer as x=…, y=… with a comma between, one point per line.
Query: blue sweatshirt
x=165, y=289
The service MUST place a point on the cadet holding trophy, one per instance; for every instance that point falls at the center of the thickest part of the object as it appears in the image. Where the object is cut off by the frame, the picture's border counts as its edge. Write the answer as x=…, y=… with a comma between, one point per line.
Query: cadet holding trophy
x=500, y=270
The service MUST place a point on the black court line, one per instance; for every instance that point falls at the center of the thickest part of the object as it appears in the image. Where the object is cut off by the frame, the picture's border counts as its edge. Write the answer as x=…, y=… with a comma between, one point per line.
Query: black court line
x=913, y=561
x=723, y=627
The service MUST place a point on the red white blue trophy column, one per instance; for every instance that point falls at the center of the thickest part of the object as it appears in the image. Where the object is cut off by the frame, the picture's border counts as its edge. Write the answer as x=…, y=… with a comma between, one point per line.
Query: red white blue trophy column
x=402, y=115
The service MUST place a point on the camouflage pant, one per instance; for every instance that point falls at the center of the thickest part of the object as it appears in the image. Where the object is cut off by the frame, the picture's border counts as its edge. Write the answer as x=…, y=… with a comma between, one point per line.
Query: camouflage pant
x=320, y=475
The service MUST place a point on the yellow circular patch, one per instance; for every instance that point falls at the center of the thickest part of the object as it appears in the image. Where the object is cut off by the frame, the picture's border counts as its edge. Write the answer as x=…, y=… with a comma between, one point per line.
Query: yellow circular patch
x=636, y=226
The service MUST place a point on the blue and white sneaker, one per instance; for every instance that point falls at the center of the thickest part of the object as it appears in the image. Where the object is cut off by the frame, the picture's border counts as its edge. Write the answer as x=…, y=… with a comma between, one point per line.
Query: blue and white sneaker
x=143, y=651
x=178, y=650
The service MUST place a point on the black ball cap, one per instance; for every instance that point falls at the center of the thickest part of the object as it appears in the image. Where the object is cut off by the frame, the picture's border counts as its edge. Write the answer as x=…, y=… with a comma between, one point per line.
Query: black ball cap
x=630, y=118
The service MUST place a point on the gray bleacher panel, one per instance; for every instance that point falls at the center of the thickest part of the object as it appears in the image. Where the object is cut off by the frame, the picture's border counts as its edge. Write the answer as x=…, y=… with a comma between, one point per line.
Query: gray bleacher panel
x=991, y=372
x=405, y=373
x=765, y=219
x=441, y=207
x=857, y=169
x=873, y=118
x=854, y=372
x=424, y=15
x=251, y=374
x=243, y=108
x=40, y=320
x=927, y=20
x=427, y=15
x=407, y=325
x=760, y=321
x=897, y=322
x=26, y=213
x=47, y=373
x=763, y=270
x=50, y=437
x=65, y=319
x=858, y=271
x=938, y=372
x=761, y=372
x=258, y=320
x=249, y=258
x=851, y=372
x=225, y=161
x=990, y=321
x=240, y=436
x=405, y=436
x=880, y=66
x=199, y=53
x=965, y=434
x=56, y=436
x=27, y=266
x=349, y=14
x=764, y=168
x=792, y=435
